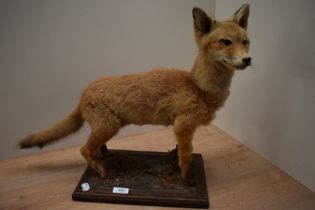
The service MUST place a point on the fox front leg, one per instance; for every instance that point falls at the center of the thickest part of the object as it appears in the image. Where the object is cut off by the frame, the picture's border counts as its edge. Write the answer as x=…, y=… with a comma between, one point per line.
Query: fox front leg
x=184, y=132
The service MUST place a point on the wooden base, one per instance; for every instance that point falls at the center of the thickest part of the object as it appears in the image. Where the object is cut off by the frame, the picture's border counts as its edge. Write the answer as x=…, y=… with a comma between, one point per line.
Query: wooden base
x=153, y=178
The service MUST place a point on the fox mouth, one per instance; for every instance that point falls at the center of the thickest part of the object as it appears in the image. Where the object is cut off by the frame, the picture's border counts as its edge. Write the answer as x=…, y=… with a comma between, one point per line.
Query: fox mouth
x=240, y=67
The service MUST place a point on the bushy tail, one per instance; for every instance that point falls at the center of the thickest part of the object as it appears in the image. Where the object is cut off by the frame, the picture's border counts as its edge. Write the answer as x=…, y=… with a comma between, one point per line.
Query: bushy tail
x=63, y=128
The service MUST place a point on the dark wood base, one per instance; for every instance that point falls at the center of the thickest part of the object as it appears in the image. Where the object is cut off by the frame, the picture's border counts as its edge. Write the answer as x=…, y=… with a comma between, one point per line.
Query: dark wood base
x=153, y=178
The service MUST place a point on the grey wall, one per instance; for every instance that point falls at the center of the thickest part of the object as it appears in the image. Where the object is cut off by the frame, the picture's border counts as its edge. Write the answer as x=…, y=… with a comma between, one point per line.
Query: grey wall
x=271, y=107
x=50, y=50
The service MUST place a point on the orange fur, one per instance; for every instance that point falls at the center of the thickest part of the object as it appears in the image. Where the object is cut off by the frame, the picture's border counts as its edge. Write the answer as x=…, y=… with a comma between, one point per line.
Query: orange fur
x=161, y=96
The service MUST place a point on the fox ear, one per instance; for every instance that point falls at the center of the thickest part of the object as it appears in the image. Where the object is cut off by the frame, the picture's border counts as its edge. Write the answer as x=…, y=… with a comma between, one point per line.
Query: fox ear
x=241, y=16
x=202, y=22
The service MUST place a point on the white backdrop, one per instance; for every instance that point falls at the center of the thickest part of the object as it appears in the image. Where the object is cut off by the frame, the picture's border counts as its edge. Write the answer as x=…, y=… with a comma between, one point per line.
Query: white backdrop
x=50, y=50
x=271, y=107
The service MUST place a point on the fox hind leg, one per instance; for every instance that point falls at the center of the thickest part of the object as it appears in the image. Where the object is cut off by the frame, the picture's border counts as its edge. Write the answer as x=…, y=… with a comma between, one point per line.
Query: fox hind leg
x=91, y=151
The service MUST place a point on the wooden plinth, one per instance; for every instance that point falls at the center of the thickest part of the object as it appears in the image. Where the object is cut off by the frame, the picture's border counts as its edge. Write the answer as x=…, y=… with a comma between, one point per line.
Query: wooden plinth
x=153, y=178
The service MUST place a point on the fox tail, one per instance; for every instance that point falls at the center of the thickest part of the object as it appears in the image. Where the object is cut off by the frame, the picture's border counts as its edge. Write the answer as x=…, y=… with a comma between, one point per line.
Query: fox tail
x=61, y=129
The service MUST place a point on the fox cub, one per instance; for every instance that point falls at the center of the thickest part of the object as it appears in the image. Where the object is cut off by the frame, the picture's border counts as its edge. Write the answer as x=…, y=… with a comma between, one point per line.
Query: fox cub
x=184, y=99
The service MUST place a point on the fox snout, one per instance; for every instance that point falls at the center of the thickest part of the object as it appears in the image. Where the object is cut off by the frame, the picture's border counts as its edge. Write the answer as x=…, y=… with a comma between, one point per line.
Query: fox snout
x=236, y=62
x=242, y=63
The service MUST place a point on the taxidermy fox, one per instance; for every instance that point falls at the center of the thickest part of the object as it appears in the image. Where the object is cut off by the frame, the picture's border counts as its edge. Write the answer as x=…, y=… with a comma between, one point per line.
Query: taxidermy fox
x=183, y=99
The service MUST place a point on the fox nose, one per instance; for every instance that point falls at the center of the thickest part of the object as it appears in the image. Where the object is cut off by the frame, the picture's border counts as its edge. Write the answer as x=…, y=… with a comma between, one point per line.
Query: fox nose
x=247, y=61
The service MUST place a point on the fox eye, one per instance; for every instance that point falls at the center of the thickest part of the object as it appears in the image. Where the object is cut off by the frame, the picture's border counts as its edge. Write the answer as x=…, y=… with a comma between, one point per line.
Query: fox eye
x=245, y=42
x=226, y=42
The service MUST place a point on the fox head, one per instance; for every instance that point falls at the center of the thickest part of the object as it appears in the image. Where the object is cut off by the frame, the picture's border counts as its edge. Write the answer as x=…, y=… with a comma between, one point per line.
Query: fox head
x=225, y=42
